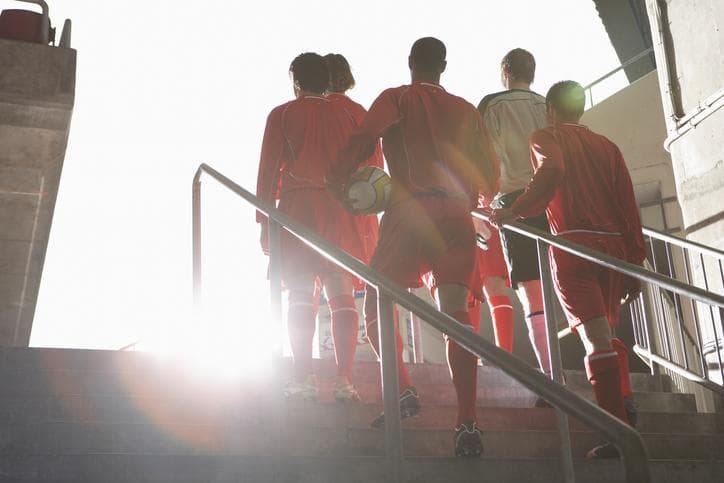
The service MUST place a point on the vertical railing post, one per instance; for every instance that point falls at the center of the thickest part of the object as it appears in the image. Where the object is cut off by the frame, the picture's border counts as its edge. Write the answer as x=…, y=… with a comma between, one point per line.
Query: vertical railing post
x=390, y=385
x=556, y=364
x=196, y=245
x=275, y=285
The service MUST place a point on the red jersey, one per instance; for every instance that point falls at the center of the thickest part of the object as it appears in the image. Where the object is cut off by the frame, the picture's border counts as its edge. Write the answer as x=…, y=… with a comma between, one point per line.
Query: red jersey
x=433, y=142
x=582, y=183
x=358, y=113
x=301, y=142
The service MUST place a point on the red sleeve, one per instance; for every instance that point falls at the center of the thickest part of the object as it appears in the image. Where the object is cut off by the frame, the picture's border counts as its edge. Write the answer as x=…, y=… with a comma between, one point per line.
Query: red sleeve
x=383, y=113
x=271, y=161
x=547, y=159
x=634, y=233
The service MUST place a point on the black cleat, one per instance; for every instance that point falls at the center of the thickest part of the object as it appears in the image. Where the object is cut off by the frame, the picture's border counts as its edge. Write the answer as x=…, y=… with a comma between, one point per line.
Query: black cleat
x=409, y=407
x=603, y=452
x=468, y=440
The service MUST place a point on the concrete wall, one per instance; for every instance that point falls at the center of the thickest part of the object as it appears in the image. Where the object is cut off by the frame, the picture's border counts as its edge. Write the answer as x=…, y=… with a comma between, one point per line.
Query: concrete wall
x=695, y=46
x=633, y=118
x=37, y=87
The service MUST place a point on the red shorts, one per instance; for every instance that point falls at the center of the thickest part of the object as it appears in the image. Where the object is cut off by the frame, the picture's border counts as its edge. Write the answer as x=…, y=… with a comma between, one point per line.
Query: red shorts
x=489, y=263
x=318, y=210
x=588, y=290
x=431, y=237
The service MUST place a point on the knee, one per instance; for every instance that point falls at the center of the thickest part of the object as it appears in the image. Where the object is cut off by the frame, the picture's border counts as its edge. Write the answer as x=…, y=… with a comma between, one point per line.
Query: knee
x=453, y=298
x=494, y=286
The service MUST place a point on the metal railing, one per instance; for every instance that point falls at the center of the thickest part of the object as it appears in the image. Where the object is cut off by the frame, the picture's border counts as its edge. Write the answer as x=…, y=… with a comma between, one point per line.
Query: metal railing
x=589, y=88
x=674, y=331
x=629, y=442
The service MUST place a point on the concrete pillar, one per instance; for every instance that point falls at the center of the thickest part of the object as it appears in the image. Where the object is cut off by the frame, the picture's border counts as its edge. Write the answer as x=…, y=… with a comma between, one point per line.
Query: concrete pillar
x=37, y=88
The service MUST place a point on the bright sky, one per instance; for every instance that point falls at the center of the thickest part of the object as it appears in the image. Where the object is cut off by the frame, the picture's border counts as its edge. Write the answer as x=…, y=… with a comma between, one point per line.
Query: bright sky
x=165, y=85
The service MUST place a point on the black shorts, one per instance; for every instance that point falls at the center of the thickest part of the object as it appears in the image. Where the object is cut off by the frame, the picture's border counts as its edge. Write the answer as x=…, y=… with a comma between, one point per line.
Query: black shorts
x=520, y=251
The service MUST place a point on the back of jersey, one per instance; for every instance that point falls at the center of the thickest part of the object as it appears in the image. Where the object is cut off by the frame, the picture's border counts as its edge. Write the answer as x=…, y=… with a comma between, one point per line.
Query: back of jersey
x=511, y=117
x=437, y=145
x=314, y=129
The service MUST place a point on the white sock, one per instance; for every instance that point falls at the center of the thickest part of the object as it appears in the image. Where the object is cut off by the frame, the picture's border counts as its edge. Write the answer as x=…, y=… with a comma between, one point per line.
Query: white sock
x=536, y=323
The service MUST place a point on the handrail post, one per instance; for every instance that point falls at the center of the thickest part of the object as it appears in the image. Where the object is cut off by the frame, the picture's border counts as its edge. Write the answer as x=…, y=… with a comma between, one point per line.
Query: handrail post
x=556, y=364
x=390, y=384
x=275, y=283
x=196, y=244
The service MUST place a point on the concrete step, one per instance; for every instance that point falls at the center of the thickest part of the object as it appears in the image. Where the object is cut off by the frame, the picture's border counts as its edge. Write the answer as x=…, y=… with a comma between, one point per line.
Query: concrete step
x=68, y=385
x=177, y=438
x=120, y=364
x=204, y=411
x=122, y=468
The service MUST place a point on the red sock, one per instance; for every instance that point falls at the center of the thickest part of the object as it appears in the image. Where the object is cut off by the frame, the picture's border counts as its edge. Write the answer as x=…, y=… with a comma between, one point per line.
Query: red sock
x=602, y=368
x=622, y=352
x=463, y=368
x=502, y=312
x=301, y=325
x=345, y=324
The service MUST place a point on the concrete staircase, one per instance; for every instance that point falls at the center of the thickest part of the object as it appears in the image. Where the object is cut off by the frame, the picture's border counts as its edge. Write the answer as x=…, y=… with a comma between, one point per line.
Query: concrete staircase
x=99, y=416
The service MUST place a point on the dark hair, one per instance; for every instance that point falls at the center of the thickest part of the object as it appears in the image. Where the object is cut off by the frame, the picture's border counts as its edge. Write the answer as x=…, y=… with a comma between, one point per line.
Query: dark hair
x=340, y=74
x=310, y=71
x=568, y=99
x=428, y=53
x=520, y=64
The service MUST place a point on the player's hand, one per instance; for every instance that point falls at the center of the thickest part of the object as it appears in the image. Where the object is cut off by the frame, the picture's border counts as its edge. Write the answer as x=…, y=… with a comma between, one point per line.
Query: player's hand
x=632, y=289
x=339, y=191
x=500, y=216
x=482, y=228
x=264, y=238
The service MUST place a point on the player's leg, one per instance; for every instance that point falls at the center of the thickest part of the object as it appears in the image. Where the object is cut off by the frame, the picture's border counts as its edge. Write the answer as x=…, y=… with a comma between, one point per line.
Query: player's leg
x=602, y=365
x=501, y=310
x=373, y=336
x=521, y=256
x=339, y=290
x=452, y=300
x=301, y=326
x=531, y=296
x=409, y=399
x=603, y=370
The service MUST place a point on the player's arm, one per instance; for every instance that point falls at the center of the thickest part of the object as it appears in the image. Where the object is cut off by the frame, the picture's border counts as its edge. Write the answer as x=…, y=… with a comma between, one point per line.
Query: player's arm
x=625, y=192
x=383, y=113
x=547, y=159
x=270, y=166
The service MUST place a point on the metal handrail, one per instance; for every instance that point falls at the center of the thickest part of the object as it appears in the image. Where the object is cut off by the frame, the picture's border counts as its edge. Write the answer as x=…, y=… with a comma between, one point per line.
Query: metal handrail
x=613, y=263
x=635, y=271
x=630, y=442
x=589, y=88
x=677, y=369
x=683, y=243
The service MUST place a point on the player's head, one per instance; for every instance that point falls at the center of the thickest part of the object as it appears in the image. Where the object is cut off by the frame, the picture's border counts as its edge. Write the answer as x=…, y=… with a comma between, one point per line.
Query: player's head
x=565, y=101
x=340, y=75
x=427, y=58
x=518, y=66
x=309, y=73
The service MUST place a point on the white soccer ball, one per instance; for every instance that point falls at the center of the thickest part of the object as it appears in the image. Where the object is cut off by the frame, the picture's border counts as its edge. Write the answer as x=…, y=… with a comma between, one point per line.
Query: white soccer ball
x=369, y=190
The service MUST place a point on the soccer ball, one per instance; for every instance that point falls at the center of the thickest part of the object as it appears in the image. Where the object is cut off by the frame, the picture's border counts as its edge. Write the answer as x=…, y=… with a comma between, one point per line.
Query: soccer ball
x=369, y=190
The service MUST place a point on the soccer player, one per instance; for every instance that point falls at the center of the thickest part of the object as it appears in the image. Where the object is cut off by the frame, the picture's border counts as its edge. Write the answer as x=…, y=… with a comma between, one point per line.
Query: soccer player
x=582, y=184
x=340, y=81
x=490, y=285
x=511, y=116
x=440, y=160
x=301, y=142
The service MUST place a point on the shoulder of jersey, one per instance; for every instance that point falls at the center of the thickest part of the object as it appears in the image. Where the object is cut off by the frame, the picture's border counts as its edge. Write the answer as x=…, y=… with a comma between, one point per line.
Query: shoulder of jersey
x=501, y=96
